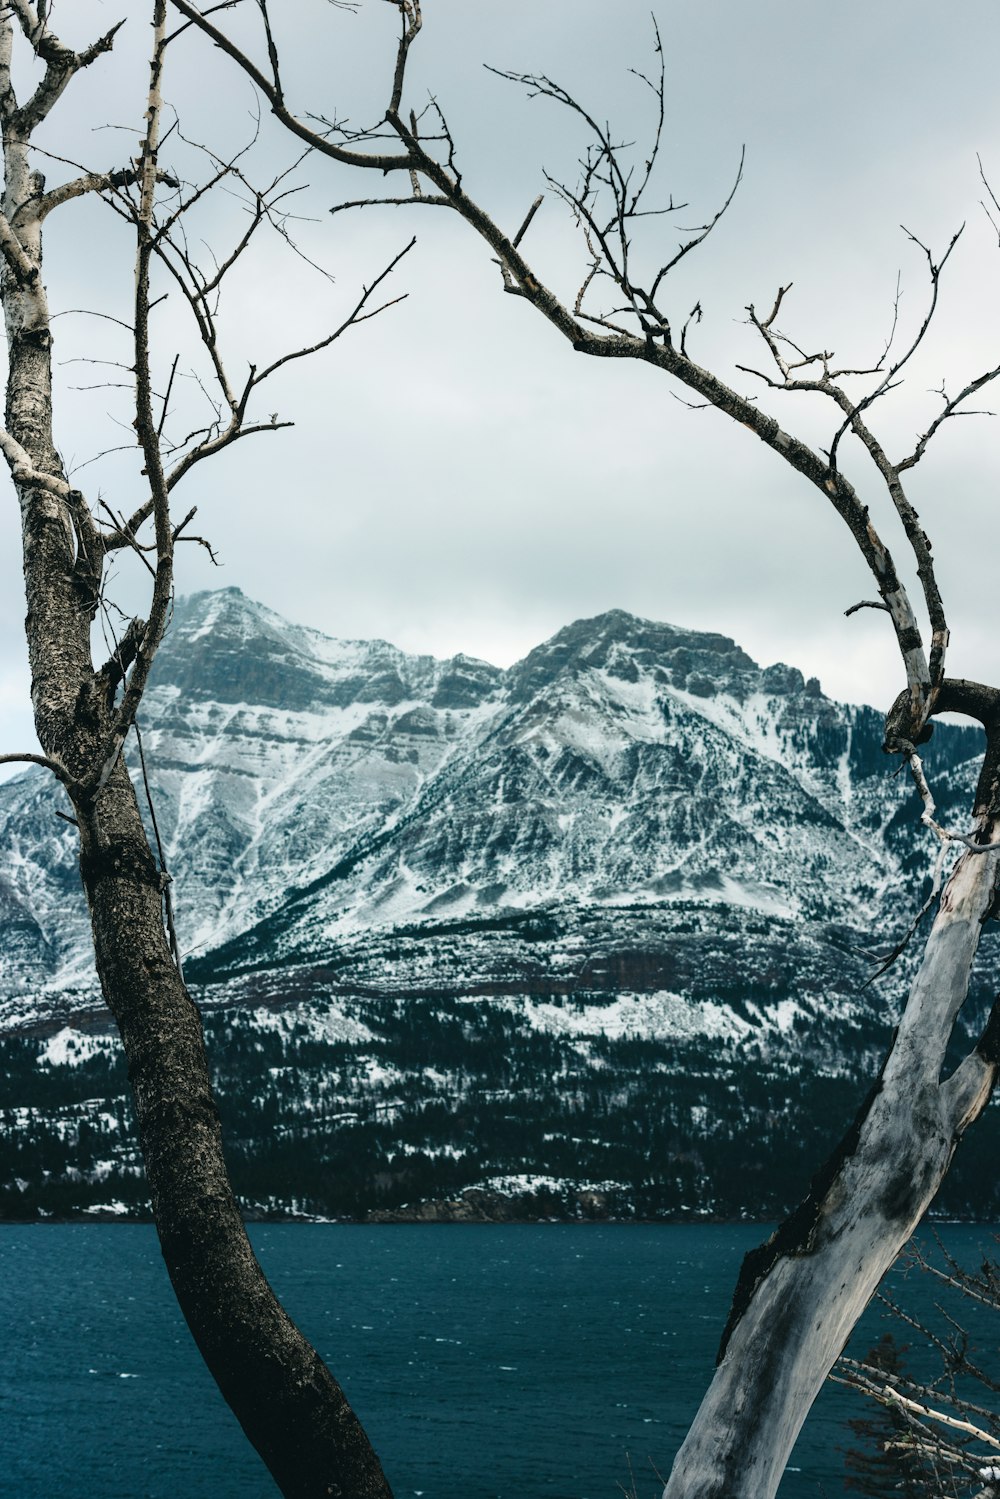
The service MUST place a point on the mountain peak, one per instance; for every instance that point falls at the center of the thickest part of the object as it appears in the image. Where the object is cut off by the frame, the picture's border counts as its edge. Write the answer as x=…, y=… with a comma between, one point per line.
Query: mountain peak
x=226, y=648
x=625, y=645
x=397, y=787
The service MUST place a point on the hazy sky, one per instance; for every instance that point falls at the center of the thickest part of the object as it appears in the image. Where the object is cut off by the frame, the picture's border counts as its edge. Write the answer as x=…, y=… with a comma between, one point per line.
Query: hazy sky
x=458, y=478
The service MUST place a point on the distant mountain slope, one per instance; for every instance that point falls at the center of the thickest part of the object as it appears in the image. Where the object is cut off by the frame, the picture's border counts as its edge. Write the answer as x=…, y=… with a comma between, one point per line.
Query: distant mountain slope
x=315, y=793
x=633, y=838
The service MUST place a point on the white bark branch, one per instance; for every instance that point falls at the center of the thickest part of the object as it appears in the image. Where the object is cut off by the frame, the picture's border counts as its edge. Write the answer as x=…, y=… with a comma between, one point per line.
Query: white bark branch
x=88, y=182
x=889, y=1396
x=15, y=254
x=23, y=471
x=61, y=62
x=802, y=1293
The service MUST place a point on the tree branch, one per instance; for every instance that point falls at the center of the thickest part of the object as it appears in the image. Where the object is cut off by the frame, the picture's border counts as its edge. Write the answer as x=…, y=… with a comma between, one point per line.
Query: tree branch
x=14, y=253
x=146, y=427
x=23, y=471
x=383, y=162
x=93, y=182
x=950, y=409
x=61, y=62
x=652, y=345
x=58, y=770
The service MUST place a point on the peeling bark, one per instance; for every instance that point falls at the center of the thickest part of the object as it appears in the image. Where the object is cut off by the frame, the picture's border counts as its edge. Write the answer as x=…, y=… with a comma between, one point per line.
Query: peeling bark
x=801, y=1294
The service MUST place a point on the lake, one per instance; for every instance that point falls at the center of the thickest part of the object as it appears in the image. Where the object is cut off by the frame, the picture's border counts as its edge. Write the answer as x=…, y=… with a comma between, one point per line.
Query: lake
x=486, y=1361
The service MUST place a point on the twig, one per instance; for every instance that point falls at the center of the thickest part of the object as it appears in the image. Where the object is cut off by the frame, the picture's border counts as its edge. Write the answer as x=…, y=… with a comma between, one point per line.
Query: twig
x=166, y=879
x=866, y=604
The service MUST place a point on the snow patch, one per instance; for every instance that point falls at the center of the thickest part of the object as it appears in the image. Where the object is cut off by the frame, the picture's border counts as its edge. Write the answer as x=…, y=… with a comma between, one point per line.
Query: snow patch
x=660, y=1016
x=331, y=1022
x=517, y=1185
x=69, y=1047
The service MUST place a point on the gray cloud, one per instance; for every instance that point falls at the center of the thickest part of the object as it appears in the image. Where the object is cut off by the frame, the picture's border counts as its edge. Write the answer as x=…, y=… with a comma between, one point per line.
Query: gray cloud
x=457, y=478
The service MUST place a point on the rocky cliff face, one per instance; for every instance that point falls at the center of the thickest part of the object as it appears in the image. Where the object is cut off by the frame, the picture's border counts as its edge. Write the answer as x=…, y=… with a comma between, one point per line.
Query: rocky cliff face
x=634, y=835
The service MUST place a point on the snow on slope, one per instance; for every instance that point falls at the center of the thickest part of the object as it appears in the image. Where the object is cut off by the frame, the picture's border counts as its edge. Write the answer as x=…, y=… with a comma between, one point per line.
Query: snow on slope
x=313, y=791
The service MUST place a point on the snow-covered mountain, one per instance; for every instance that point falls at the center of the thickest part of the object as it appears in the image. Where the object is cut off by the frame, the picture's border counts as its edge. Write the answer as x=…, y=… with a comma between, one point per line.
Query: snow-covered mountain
x=313, y=794
x=633, y=832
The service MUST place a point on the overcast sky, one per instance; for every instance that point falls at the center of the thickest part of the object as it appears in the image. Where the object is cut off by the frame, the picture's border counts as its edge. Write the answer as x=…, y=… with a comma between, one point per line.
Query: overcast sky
x=458, y=478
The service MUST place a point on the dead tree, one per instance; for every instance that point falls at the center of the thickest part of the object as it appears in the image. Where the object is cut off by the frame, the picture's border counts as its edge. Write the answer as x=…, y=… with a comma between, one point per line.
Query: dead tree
x=801, y=1293
x=942, y=1431
x=290, y=1407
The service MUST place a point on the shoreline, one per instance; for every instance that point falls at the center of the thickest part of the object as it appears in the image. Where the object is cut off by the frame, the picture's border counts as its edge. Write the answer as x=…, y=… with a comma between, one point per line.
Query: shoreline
x=415, y=1221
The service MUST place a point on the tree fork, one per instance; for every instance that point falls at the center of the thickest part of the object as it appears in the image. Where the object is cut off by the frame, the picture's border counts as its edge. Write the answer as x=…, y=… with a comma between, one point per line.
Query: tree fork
x=290, y=1407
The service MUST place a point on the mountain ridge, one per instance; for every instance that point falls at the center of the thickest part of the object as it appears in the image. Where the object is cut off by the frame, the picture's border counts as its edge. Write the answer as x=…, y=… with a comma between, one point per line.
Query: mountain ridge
x=605, y=916
x=285, y=763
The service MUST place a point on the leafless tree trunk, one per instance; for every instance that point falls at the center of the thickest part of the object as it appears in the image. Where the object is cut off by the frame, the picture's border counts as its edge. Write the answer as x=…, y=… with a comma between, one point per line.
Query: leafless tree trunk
x=800, y=1294
x=290, y=1407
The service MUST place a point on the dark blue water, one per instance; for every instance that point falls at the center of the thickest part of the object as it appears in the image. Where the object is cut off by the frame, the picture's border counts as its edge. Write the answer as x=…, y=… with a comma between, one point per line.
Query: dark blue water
x=486, y=1362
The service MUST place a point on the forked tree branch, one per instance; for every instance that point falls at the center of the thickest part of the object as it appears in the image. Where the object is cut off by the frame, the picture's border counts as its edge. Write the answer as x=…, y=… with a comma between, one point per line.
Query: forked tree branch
x=229, y=424
x=950, y=410
x=652, y=343
x=61, y=62
x=291, y=1408
x=934, y=269
x=800, y=1293
x=381, y=161
x=93, y=182
x=873, y=1381
x=146, y=427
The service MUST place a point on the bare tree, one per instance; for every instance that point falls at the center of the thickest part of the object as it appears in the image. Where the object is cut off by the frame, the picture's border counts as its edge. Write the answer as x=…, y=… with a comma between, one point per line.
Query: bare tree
x=940, y=1432
x=800, y=1294
x=291, y=1408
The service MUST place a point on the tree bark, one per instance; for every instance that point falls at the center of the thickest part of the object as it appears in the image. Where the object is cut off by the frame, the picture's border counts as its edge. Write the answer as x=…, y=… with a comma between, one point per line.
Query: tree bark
x=292, y=1410
x=801, y=1293
x=287, y=1402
